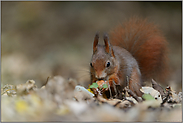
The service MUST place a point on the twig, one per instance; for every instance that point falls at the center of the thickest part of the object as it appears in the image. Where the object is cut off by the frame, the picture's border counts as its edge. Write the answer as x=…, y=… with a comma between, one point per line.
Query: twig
x=133, y=94
x=114, y=85
x=110, y=90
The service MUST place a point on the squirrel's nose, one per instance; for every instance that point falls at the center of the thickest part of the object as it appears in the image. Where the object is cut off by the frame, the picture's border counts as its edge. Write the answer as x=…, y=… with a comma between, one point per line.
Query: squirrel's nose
x=101, y=75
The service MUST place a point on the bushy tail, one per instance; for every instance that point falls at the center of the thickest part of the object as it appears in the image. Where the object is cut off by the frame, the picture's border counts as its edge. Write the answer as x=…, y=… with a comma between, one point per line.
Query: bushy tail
x=147, y=45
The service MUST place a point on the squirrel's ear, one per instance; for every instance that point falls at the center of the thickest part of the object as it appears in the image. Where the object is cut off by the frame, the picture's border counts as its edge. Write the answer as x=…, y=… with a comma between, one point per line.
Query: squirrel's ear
x=95, y=43
x=108, y=47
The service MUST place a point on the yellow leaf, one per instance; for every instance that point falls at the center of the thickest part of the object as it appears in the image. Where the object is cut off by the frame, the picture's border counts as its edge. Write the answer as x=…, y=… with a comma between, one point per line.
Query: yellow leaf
x=90, y=90
x=21, y=106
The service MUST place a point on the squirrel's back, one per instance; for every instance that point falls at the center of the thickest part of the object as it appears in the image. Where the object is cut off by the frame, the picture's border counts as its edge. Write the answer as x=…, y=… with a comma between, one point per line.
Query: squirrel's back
x=146, y=44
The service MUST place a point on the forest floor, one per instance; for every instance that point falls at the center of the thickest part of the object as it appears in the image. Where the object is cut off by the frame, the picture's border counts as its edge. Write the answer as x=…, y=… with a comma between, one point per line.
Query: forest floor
x=64, y=100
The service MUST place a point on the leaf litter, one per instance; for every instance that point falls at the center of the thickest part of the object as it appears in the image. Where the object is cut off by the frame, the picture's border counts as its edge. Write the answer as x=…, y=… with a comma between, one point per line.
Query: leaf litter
x=65, y=100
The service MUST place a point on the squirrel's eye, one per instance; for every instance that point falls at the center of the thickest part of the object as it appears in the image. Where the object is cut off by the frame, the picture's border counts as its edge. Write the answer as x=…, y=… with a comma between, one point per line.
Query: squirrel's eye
x=108, y=64
x=91, y=65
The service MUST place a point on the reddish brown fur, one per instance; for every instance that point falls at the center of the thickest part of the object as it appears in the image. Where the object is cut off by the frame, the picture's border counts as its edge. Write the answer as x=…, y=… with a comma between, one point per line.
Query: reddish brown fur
x=95, y=42
x=135, y=82
x=146, y=44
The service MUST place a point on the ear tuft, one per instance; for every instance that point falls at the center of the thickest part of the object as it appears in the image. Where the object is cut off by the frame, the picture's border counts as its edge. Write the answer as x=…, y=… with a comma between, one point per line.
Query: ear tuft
x=108, y=47
x=107, y=43
x=95, y=43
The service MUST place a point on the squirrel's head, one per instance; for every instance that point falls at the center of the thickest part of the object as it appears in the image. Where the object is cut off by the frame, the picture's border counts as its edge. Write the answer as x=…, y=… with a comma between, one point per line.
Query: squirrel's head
x=103, y=62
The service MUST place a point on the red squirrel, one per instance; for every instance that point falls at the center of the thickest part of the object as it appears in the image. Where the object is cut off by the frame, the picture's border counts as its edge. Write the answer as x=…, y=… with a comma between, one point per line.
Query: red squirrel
x=132, y=53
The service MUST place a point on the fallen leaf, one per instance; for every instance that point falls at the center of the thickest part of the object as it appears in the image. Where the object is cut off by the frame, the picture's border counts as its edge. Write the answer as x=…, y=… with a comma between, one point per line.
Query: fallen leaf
x=157, y=87
x=154, y=93
x=147, y=97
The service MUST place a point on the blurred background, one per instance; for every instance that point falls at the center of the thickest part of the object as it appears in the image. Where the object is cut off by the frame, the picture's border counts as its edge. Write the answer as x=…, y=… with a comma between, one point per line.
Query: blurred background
x=42, y=39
